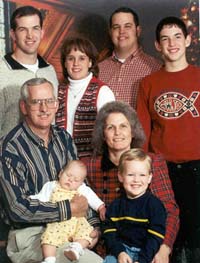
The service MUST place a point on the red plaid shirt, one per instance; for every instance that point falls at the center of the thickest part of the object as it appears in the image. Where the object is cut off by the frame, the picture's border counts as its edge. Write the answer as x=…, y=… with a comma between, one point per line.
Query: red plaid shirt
x=124, y=78
x=102, y=177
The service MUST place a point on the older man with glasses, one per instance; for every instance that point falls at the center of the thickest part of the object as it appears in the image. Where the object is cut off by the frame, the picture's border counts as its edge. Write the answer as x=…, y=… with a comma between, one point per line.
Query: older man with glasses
x=32, y=154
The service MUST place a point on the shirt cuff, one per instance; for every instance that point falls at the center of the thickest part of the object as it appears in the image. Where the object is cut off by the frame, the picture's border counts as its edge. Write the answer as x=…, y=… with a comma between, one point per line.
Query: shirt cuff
x=64, y=210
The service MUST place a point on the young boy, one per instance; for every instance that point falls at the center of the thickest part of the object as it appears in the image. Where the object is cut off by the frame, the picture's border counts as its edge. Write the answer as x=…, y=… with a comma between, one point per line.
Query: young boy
x=135, y=222
x=169, y=110
x=77, y=230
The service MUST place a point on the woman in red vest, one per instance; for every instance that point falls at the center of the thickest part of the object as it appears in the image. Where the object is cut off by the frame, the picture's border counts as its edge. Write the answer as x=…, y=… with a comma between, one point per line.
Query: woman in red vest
x=82, y=94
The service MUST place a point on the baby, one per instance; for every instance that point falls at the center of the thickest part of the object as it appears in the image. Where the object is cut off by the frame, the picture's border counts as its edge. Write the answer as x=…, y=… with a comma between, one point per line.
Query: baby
x=77, y=230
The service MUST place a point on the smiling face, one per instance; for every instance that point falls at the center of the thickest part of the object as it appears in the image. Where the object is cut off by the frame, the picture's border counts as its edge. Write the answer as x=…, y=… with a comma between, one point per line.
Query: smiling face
x=173, y=44
x=136, y=177
x=117, y=132
x=124, y=33
x=77, y=64
x=40, y=119
x=27, y=35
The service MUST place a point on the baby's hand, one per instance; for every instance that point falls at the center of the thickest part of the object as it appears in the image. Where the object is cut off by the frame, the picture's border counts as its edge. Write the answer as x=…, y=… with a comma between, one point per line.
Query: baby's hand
x=102, y=212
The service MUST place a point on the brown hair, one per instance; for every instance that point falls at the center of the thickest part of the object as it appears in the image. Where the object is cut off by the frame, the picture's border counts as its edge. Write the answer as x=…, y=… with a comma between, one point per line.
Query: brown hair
x=85, y=46
x=25, y=11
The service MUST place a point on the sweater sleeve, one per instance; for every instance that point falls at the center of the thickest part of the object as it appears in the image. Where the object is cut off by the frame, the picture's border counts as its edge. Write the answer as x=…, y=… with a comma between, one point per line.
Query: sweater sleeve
x=105, y=95
x=111, y=234
x=143, y=112
x=2, y=111
x=93, y=200
x=45, y=193
x=162, y=188
x=155, y=231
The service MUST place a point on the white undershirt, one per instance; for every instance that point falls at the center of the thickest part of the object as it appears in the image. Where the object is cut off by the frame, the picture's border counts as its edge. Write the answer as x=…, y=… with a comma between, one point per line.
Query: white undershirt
x=31, y=67
x=122, y=60
x=76, y=90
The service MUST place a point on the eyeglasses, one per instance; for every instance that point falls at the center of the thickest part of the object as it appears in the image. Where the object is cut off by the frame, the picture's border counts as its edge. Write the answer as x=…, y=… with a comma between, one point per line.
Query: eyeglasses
x=35, y=104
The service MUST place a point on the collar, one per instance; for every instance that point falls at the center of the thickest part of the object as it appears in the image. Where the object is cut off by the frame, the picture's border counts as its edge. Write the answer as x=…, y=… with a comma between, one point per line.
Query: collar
x=75, y=82
x=106, y=163
x=136, y=53
x=16, y=65
x=36, y=139
x=78, y=85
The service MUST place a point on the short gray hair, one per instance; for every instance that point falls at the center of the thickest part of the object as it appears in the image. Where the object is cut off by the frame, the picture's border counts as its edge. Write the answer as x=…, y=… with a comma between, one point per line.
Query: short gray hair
x=98, y=140
x=30, y=83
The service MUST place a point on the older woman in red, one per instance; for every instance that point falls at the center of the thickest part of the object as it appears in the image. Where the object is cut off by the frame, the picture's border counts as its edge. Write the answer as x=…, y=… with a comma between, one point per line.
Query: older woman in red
x=116, y=130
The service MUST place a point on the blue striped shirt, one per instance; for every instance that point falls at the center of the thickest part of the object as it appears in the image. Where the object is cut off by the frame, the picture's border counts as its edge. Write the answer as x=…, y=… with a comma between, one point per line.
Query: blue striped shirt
x=26, y=165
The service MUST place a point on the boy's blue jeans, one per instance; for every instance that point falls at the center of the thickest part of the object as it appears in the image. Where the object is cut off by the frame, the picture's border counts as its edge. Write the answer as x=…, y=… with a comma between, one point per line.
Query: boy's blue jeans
x=131, y=251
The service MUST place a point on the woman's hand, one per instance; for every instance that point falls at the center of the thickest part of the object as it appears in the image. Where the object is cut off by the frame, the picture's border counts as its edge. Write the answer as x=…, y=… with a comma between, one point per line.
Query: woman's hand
x=162, y=256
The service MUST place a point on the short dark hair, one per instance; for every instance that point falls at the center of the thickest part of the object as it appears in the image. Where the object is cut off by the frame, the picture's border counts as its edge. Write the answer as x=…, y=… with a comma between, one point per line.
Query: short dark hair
x=85, y=46
x=170, y=20
x=25, y=11
x=124, y=9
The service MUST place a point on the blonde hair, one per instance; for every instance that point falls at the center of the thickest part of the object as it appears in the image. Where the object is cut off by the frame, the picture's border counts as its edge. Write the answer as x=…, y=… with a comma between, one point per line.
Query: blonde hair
x=135, y=154
x=75, y=162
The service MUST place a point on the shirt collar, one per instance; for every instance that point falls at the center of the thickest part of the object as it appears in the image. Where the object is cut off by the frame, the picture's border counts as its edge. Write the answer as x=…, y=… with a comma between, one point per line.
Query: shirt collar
x=14, y=64
x=136, y=53
x=36, y=139
x=106, y=163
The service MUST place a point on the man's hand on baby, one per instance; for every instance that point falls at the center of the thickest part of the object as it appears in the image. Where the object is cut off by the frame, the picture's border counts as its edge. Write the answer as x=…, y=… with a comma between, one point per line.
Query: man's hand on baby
x=79, y=206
